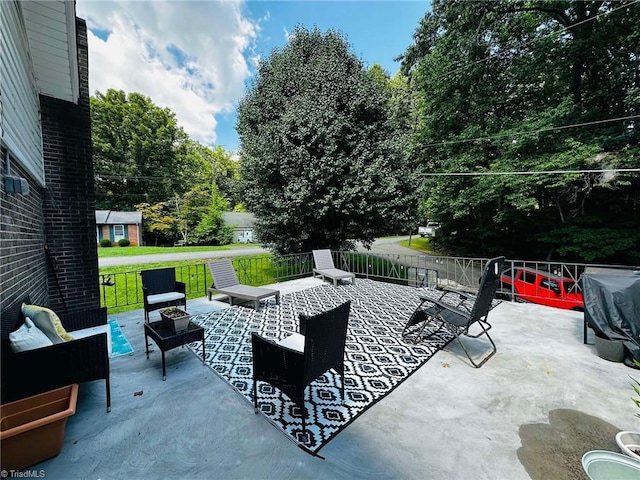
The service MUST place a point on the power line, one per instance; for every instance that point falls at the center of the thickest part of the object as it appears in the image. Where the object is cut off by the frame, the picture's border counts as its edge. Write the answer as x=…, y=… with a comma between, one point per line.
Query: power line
x=530, y=132
x=528, y=42
x=529, y=172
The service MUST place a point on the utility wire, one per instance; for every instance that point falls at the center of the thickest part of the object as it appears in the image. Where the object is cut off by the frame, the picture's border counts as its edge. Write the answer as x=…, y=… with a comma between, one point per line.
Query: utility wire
x=529, y=172
x=529, y=42
x=530, y=132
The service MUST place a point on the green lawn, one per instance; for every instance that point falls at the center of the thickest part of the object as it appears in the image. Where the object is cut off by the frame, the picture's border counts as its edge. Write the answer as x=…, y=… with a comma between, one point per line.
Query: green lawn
x=121, y=287
x=418, y=243
x=105, y=252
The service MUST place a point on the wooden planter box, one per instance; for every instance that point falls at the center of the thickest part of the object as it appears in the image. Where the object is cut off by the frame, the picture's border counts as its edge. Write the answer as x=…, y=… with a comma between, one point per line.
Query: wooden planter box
x=32, y=429
x=175, y=324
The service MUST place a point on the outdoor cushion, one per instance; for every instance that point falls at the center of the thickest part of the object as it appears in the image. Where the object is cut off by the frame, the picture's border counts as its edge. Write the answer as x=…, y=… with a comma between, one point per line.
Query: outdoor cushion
x=88, y=332
x=47, y=321
x=28, y=337
x=164, y=297
x=294, y=341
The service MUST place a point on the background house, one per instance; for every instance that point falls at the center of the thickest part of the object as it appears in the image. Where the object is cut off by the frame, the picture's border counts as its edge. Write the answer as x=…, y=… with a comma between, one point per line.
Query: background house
x=118, y=225
x=47, y=233
x=243, y=226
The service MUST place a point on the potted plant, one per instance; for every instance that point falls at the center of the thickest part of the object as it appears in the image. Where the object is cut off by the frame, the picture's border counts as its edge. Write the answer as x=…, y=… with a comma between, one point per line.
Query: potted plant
x=629, y=442
x=175, y=319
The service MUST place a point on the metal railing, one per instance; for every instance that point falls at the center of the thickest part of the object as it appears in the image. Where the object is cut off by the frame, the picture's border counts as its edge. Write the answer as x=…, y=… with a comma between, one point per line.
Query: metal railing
x=123, y=291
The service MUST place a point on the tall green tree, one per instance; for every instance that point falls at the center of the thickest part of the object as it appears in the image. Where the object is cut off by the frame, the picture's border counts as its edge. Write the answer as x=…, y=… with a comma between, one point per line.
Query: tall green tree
x=135, y=151
x=521, y=86
x=319, y=159
x=159, y=225
x=143, y=159
x=215, y=187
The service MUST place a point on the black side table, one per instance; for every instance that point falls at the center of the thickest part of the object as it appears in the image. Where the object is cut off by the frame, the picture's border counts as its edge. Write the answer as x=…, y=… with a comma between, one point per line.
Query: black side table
x=166, y=339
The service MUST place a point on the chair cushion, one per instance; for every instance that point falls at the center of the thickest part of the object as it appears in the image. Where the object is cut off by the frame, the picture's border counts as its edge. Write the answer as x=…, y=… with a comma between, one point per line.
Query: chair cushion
x=295, y=341
x=88, y=332
x=47, y=321
x=164, y=297
x=28, y=337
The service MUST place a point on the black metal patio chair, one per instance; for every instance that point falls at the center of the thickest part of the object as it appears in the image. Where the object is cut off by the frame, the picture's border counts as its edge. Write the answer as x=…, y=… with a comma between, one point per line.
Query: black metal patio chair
x=160, y=289
x=295, y=362
x=458, y=315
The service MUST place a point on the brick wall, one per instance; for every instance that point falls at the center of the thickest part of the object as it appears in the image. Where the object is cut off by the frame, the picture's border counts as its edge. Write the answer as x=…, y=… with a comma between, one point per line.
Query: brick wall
x=132, y=233
x=22, y=262
x=69, y=200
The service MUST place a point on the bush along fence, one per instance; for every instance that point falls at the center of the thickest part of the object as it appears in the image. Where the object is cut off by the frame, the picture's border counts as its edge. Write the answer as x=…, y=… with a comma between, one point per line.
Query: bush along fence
x=123, y=291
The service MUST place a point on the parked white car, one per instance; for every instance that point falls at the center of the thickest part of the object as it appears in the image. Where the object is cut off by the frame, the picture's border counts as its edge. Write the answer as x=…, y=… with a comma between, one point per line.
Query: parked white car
x=429, y=230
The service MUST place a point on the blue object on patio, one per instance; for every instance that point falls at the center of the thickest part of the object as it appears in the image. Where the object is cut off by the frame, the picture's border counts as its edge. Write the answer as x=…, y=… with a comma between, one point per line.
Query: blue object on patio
x=119, y=343
x=377, y=360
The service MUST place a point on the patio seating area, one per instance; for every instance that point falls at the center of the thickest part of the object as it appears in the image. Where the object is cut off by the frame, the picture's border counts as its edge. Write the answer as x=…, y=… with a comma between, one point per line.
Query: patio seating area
x=541, y=402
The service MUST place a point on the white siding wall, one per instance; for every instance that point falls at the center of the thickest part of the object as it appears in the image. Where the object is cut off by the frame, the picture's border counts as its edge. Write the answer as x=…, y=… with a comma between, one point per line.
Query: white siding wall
x=19, y=103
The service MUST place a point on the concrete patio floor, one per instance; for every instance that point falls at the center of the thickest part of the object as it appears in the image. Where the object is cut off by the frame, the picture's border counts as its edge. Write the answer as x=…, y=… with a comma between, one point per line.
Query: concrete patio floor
x=530, y=412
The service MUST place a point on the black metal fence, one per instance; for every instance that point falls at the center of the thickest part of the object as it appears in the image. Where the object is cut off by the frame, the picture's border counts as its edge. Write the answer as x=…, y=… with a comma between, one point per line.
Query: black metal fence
x=123, y=291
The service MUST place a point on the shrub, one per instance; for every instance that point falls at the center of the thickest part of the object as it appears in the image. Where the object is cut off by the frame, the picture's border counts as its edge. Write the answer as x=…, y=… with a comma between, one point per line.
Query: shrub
x=105, y=242
x=124, y=242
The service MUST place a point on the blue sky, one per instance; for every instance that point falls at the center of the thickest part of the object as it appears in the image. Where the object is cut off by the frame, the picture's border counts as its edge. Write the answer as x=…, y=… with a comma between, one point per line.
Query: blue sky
x=197, y=57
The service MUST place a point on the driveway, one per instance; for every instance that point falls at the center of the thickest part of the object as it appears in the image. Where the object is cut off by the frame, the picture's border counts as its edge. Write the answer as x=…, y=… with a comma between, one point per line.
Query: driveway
x=390, y=246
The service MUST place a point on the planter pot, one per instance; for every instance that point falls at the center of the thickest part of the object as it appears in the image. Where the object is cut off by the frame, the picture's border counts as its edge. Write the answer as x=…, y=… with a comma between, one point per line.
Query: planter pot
x=629, y=443
x=32, y=429
x=173, y=322
x=612, y=350
x=604, y=465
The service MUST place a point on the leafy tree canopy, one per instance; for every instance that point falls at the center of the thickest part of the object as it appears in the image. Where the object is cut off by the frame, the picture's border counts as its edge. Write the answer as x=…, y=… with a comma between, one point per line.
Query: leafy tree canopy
x=321, y=161
x=144, y=160
x=520, y=86
x=135, y=146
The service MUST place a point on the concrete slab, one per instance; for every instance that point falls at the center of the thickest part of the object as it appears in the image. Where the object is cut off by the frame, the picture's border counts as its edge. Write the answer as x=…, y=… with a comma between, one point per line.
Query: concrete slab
x=541, y=402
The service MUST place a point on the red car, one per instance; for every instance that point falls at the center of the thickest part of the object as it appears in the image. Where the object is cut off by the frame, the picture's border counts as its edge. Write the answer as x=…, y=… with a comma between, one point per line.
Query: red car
x=537, y=286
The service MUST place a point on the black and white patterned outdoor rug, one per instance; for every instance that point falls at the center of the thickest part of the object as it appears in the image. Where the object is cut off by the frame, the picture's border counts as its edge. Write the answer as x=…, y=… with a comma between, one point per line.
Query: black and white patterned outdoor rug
x=377, y=360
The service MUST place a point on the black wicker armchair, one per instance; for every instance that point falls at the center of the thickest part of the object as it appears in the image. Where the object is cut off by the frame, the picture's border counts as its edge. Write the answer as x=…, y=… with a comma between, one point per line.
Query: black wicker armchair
x=160, y=289
x=293, y=363
x=36, y=371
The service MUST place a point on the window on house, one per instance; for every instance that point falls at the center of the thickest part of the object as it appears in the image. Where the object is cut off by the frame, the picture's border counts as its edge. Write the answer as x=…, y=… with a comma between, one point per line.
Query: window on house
x=118, y=232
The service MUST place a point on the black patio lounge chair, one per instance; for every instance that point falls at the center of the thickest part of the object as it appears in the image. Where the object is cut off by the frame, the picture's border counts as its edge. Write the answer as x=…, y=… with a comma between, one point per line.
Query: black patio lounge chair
x=225, y=281
x=457, y=315
x=160, y=289
x=293, y=363
x=324, y=267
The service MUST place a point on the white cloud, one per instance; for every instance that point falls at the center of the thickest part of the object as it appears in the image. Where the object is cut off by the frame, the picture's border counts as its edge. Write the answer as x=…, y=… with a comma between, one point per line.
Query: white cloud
x=189, y=56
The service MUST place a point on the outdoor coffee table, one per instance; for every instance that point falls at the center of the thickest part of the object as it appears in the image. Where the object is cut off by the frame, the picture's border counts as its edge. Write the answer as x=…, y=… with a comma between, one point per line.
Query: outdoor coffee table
x=166, y=339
